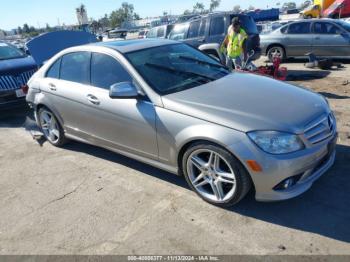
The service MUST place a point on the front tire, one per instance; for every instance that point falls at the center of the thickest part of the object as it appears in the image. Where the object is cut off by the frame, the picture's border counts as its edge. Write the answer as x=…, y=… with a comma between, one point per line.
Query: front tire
x=51, y=128
x=215, y=174
x=276, y=51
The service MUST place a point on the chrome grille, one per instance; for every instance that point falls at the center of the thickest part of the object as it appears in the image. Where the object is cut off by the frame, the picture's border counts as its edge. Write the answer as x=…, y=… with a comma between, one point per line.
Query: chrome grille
x=12, y=82
x=320, y=129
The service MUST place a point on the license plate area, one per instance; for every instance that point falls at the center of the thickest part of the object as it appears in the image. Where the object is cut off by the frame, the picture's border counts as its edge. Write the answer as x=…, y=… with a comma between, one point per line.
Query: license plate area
x=20, y=93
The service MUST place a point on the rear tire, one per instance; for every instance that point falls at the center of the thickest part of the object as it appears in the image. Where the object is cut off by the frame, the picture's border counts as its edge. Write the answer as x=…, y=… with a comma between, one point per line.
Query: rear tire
x=274, y=51
x=215, y=174
x=51, y=128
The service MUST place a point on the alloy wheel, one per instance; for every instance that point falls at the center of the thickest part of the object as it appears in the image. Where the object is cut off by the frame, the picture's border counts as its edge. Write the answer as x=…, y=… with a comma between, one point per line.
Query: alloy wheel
x=275, y=52
x=211, y=175
x=49, y=126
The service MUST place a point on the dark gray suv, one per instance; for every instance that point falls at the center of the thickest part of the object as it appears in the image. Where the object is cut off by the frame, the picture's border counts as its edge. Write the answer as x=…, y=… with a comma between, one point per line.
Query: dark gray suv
x=208, y=32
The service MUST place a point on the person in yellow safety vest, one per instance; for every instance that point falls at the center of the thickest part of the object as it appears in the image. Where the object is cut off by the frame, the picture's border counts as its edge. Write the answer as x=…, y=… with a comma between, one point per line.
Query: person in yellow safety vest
x=234, y=44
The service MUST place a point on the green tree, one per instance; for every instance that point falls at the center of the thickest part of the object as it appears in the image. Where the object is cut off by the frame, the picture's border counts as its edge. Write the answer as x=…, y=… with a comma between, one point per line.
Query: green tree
x=104, y=21
x=199, y=8
x=124, y=13
x=237, y=9
x=25, y=28
x=187, y=12
x=214, y=4
x=19, y=30
x=251, y=8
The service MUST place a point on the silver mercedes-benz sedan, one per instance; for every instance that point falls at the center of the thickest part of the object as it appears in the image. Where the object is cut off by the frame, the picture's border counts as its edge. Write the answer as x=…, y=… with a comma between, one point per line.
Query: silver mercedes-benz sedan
x=169, y=105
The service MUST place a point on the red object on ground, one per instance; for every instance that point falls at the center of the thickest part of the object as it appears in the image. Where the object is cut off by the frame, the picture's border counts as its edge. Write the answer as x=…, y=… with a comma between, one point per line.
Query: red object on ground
x=274, y=70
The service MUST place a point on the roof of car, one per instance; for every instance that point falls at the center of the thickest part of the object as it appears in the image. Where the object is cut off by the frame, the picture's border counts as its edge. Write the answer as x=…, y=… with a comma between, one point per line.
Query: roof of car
x=127, y=46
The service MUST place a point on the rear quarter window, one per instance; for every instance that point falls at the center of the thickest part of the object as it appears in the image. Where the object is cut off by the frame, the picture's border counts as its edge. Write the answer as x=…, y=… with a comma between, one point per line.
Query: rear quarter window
x=54, y=70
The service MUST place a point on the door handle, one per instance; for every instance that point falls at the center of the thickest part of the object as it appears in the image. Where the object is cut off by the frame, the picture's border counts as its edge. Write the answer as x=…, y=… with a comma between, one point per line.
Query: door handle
x=201, y=40
x=52, y=87
x=317, y=38
x=93, y=99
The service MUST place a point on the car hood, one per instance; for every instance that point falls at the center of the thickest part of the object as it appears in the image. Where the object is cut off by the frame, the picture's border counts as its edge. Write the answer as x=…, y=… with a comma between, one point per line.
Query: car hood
x=45, y=46
x=248, y=102
x=17, y=65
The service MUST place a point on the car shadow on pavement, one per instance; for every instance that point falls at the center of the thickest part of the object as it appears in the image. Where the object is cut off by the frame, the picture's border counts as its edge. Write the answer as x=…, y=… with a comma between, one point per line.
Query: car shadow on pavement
x=323, y=210
x=15, y=117
x=127, y=162
x=333, y=96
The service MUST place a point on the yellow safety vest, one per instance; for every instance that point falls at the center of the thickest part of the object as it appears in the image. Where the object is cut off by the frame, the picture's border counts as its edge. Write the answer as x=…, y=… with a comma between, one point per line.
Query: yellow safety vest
x=235, y=43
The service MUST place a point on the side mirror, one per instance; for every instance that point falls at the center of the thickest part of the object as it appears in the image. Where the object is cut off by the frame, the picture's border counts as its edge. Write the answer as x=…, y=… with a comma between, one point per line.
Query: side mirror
x=123, y=90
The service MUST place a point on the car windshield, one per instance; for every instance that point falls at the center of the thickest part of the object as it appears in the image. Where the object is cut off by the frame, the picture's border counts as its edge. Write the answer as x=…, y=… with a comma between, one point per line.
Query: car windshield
x=176, y=67
x=345, y=25
x=10, y=52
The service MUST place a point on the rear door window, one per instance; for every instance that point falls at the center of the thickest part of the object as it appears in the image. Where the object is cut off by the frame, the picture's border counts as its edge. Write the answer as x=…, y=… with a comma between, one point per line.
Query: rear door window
x=217, y=26
x=194, y=29
x=326, y=28
x=299, y=28
x=75, y=67
x=107, y=71
x=54, y=71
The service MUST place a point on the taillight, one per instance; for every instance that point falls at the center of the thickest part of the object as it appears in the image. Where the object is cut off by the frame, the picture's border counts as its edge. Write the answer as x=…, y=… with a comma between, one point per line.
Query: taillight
x=25, y=88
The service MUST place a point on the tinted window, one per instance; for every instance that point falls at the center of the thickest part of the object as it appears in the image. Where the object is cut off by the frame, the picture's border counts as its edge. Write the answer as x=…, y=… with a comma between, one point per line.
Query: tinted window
x=299, y=28
x=75, y=67
x=202, y=27
x=217, y=26
x=284, y=29
x=54, y=71
x=161, y=32
x=178, y=32
x=106, y=71
x=326, y=28
x=193, y=29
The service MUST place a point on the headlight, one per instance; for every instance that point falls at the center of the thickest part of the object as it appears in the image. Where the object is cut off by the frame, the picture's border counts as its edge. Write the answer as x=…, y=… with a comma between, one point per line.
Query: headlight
x=274, y=142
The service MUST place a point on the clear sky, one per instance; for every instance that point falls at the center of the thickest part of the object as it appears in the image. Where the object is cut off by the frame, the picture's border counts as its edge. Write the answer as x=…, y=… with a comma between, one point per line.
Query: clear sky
x=39, y=12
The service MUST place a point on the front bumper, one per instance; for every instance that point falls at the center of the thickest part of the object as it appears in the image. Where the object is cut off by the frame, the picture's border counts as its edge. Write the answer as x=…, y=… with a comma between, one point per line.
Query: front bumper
x=9, y=100
x=307, y=165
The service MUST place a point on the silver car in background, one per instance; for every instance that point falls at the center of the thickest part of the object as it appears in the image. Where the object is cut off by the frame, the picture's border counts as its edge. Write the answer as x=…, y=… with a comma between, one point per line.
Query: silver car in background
x=323, y=37
x=169, y=105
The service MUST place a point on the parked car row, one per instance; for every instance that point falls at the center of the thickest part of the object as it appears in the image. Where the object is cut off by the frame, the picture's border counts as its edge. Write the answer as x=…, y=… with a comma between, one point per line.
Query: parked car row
x=323, y=37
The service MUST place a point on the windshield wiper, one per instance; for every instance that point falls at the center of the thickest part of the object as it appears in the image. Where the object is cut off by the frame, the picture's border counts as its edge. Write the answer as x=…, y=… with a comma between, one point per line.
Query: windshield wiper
x=199, y=61
x=174, y=70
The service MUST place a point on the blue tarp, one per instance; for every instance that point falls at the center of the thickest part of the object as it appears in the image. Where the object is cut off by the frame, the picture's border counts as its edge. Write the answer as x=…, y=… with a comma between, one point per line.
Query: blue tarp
x=265, y=15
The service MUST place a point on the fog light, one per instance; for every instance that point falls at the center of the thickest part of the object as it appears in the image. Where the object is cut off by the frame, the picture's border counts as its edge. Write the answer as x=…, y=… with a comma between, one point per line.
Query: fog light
x=287, y=183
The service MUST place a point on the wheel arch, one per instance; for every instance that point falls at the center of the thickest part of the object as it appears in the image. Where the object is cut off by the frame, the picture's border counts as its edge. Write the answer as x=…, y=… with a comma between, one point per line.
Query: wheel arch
x=192, y=142
x=51, y=108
